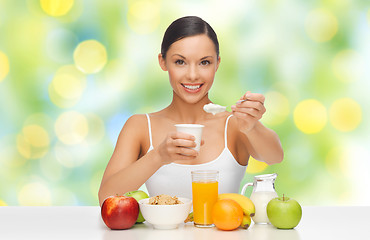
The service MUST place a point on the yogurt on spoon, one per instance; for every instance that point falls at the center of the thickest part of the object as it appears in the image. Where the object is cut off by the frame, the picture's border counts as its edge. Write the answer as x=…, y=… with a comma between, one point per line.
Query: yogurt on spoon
x=213, y=108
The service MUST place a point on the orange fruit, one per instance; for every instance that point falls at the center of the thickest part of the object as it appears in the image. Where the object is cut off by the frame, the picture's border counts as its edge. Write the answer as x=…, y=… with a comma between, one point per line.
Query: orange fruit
x=227, y=214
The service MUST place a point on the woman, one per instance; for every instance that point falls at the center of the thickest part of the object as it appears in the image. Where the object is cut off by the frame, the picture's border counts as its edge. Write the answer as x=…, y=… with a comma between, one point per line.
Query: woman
x=150, y=151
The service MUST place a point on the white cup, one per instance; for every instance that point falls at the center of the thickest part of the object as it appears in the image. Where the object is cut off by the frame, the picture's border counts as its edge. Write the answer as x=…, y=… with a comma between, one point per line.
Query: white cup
x=193, y=129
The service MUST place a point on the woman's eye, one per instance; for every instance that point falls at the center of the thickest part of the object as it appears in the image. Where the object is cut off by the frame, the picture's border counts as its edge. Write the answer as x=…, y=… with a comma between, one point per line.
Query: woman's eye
x=180, y=62
x=204, y=62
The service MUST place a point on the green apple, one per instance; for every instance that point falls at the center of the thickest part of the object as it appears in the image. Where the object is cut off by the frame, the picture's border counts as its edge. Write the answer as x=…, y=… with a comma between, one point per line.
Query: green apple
x=138, y=195
x=284, y=212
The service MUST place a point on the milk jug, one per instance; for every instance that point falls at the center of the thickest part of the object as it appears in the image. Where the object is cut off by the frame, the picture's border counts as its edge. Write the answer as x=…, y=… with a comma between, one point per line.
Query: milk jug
x=263, y=192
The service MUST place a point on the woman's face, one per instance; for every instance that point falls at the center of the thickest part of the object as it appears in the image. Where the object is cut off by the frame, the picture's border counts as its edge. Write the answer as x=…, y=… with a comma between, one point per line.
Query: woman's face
x=191, y=64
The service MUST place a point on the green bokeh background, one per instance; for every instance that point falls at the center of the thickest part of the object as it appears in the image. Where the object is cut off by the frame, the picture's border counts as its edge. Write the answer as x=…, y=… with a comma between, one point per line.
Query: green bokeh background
x=289, y=50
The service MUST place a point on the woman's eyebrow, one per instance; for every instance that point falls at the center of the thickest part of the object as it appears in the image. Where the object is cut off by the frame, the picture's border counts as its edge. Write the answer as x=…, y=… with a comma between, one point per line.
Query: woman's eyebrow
x=176, y=54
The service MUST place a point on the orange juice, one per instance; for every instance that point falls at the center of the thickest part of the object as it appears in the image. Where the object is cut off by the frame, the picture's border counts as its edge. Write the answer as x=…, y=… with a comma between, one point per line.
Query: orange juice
x=205, y=195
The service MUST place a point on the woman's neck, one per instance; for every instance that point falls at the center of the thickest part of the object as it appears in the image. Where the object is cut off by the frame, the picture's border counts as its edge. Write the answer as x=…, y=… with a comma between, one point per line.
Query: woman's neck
x=184, y=112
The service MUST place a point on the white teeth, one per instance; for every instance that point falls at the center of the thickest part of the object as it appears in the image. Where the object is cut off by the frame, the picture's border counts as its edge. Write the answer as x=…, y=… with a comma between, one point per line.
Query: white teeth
x=192, y=87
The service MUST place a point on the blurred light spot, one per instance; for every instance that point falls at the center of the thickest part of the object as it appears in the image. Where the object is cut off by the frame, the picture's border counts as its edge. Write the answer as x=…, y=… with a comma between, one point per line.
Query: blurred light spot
x=345, y=114
x=9, y=155
x=278, y=108
x=56, y=8
x=4, y=66
x=348, y=66
x=90, y=56
x=23, y=147
x=336, y=162
x=34, y=194
x=71, y=127
x=321, y=25
x=71, y=156
x=59, y=100
x=96, y=129
x=33, y=142
x=36, y=136
x=144, y=16
x=67, y=86
x=310, y=116
x=59, y=44
x=41, y=119
x=255, y=166
x=2, y=203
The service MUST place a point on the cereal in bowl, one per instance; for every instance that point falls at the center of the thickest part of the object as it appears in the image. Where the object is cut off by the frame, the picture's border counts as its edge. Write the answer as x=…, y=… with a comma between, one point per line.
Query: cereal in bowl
x=164, y=199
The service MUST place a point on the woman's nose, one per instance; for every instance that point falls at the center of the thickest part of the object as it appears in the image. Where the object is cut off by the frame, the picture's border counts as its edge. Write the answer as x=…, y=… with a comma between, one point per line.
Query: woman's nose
x=193, y=73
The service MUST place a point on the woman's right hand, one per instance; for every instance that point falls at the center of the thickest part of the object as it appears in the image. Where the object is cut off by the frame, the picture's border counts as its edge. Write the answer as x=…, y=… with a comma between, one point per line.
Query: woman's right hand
x=177, y=146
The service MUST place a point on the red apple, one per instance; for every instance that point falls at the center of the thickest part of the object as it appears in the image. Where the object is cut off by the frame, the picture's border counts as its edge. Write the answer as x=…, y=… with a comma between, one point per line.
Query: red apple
x=120, y=212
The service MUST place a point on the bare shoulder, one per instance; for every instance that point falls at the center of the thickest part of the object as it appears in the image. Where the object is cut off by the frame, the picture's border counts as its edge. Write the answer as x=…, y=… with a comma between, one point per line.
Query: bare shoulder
x=136, y=120
x=233, y=130
x=132, y=136
x=134, y=127
x=232, y=121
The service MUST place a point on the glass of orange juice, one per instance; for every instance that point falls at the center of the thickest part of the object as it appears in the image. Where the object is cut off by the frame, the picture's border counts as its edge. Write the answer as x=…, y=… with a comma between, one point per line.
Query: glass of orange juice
x=205, y=194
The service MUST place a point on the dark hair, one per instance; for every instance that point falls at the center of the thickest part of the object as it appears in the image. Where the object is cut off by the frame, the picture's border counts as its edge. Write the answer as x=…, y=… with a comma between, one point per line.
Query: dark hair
x=187, y=27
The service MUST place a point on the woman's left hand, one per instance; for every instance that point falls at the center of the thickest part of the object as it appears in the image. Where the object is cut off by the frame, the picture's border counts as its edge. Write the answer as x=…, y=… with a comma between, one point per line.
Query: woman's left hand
x=250, y=111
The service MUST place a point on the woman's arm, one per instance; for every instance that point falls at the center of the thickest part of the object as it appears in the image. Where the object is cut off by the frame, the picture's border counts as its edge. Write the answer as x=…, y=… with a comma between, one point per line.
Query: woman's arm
x=126, y=171
x=262, y=143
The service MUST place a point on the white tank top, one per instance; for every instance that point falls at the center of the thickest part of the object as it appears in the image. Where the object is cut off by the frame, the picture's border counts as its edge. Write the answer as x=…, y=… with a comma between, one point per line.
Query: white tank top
x=175, y=179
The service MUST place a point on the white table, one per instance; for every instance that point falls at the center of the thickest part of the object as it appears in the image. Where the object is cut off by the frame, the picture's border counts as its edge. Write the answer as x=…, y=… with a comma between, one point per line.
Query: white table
x=85, y=223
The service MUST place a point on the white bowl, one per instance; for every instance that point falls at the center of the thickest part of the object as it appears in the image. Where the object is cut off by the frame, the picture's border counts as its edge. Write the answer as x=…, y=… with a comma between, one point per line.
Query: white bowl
x=165, y=216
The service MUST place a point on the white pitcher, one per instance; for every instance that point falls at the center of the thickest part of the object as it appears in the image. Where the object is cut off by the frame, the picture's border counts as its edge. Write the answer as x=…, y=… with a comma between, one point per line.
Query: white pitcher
x=263, y=192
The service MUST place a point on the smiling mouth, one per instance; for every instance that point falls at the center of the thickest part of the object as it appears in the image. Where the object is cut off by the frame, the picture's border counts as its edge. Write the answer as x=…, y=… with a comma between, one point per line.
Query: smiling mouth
x=192, y=87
